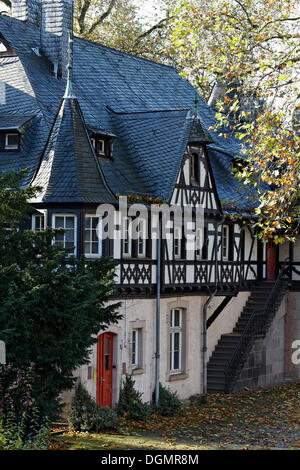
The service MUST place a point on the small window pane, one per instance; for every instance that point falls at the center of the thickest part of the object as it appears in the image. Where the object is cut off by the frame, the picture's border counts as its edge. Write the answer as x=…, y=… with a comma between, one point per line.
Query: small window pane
x=12, y=141
x=59, y=222
x=69, y=222
x=107, y=353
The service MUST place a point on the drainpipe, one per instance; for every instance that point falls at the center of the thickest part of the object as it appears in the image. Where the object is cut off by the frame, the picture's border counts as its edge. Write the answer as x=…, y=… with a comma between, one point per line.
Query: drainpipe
x=157, y=353
x=204, y=328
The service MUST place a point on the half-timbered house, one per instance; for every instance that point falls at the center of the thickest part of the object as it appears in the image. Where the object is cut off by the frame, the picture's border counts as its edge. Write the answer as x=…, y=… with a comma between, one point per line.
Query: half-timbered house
x=121, y=126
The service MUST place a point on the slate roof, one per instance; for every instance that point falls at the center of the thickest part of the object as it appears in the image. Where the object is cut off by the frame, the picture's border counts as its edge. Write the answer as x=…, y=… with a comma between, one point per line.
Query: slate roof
x=69, y=170
x=234, y=197
x=145, y=104
x=10, y=121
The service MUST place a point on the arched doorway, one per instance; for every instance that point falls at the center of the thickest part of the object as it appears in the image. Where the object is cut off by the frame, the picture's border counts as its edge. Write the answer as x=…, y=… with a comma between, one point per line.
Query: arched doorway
x=104, y=369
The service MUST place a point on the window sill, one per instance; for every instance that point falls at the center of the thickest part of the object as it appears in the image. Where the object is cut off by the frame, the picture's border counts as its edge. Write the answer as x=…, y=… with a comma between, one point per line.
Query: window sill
x=179, y=376
x=137, y=371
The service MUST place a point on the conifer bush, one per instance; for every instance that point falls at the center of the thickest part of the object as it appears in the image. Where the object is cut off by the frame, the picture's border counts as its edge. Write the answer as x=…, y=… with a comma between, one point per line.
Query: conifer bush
x=86, y=416
x=168, y=403
x=130, y=402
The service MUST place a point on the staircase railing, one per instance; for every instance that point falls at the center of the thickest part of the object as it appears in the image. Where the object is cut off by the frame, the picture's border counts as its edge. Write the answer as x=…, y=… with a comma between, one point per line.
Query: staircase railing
x=257, y=325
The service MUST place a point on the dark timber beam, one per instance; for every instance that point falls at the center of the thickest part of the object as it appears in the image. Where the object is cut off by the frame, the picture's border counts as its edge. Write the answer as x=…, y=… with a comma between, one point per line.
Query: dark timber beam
x=218, y=310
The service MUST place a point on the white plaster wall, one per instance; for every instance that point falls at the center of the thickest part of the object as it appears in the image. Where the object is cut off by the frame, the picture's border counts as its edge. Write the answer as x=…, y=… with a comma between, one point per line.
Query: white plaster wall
x=226, y=320
x=144, y=310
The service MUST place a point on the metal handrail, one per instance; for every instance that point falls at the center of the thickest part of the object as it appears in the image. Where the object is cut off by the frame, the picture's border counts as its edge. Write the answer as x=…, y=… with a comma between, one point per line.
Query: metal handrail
x=256, y=325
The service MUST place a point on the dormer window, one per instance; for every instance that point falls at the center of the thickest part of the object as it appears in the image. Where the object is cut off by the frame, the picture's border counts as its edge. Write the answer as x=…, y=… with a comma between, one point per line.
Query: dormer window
x=12, y=141
x=101, y=146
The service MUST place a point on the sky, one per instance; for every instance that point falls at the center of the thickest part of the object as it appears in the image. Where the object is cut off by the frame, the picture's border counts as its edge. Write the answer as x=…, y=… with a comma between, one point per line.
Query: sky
x=148, y=8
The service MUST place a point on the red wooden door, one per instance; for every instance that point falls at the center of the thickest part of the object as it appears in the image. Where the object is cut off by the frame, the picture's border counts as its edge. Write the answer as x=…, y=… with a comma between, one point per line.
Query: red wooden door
x=271, y=261
x=104, y=369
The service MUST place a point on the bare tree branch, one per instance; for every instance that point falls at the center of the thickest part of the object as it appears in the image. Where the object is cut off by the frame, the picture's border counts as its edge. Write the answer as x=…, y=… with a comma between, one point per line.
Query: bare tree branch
x=83, y=11
x=103, y=16
x=161, y=24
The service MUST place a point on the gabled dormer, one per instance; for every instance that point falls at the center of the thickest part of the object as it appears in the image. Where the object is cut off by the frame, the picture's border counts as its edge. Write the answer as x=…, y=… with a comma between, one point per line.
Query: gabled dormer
x=102, y=144
x=11, y=130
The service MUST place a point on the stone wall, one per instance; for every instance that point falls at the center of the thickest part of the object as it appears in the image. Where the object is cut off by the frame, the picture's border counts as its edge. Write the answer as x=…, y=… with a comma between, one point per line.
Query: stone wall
x=265, y=365
x=292, y=362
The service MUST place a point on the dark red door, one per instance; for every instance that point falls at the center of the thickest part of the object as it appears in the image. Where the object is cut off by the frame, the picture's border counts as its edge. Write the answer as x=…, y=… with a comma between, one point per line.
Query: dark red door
x=271, y=261
x=104, y=369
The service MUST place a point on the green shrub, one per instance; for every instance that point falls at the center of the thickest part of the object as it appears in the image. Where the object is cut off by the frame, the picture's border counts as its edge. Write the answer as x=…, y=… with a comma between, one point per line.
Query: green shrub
x=130, y=402
x=168, y=403
x=86, y=415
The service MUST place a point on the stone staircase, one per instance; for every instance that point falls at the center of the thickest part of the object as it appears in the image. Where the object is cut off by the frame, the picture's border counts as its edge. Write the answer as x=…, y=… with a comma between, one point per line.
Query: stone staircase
x=228, y=342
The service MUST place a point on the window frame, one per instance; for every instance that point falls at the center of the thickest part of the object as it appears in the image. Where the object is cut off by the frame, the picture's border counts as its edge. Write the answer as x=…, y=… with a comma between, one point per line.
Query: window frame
x=33, y=223
x=177, y=240
x=100, y=145
x=100, y=241
x=225, y=228
x=11, y=147
x=65, y=214
x=141, y=239
x=126, y=254
x=199, y=249
x=135, y=364
x=176, y=330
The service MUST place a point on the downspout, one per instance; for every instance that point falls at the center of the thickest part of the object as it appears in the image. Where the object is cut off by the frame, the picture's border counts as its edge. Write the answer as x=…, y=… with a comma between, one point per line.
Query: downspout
x=204, y=327
x=157, y=323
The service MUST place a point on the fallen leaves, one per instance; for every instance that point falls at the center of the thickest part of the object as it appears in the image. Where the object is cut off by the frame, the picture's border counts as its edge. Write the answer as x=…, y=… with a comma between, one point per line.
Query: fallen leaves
x=263, y=419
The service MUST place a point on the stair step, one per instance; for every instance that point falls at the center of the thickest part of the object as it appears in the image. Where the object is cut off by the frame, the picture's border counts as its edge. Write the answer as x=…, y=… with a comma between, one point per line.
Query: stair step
x=225, y=350
x=227, y=344
x=215, y=388
x=217, y=381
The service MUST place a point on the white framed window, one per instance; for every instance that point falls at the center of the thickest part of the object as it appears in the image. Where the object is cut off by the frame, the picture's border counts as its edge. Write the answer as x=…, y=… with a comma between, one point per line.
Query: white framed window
x=141, y=248
x=199, y=243
x=177, y=242
x=225, y=242
x=136, y=341
x=176, y=341
x=68, y=239
x=135, y=348
x=12, y=141
x=38, y=223
x=101, y=148
x=92, y=236
x=99, y=145
x=126, y=241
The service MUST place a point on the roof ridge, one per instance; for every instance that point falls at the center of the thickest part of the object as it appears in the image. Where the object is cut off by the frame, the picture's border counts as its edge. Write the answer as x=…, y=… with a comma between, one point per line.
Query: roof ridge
x=147, y=111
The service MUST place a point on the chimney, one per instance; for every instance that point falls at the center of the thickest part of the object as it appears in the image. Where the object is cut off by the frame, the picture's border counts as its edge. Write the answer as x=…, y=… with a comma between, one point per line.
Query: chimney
x=57, y=24
x=27, y=10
